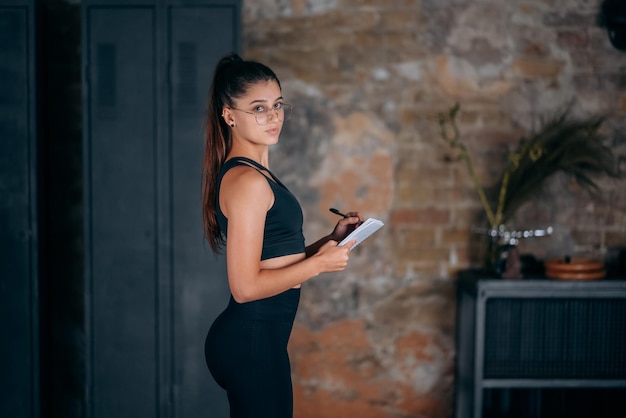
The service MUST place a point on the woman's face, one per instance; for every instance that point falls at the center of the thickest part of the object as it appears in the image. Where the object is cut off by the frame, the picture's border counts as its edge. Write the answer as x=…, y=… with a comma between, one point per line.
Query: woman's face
x=256, y=115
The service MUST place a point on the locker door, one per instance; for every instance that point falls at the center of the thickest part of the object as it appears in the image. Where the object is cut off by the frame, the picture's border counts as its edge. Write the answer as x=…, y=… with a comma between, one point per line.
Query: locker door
x=198, y=38
x=120, y=212
x=153, y=287
x=19, y=354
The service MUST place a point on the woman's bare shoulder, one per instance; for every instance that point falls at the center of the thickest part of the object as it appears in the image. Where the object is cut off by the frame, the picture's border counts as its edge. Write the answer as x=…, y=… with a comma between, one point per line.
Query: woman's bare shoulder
x=245, y=185
x=243, y=176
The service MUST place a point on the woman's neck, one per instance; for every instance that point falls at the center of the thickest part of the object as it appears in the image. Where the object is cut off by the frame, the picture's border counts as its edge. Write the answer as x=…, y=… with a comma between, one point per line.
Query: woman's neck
x=258, y=154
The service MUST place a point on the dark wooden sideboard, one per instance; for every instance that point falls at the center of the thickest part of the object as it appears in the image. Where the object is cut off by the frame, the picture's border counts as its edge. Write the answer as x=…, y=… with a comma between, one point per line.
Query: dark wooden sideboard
x=537, y=333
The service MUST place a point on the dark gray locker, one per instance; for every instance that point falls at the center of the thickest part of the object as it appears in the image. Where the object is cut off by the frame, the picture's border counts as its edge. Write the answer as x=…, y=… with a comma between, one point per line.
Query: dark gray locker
x=122, y=215
x=196, y=41
x=19, y=353
x=152, y=285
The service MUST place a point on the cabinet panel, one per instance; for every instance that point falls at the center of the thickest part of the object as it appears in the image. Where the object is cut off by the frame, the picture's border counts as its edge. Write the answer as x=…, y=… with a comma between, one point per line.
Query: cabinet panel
x=121, y=216
x=198, y=37
x=550, y=338
x=18, y=214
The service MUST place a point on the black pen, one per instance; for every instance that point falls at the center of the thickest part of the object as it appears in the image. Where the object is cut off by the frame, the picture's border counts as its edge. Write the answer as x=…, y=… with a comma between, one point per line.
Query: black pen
x=336, y=212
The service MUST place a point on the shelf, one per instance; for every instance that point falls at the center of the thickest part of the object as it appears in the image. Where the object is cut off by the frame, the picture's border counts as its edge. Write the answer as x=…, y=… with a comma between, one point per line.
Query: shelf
x=537, y=333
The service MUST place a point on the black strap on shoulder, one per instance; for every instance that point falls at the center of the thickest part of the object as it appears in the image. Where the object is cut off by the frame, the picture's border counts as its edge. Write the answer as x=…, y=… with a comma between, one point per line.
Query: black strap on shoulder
x=238, y=161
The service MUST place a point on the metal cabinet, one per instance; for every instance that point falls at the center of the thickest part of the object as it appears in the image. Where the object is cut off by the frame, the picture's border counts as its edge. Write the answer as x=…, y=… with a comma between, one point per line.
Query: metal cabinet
x=19, y=255
x=537, y=334
x=152, y=285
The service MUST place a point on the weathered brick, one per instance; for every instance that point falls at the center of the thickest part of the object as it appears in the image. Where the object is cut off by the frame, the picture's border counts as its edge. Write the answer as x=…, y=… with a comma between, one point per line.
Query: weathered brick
x=572, y=39
x=456, y=236
x=399, y=20
x=411, y=238
x=570, y=18
x=372, y=76
x=457, y=195
x=616, y=238
x=342, y=362
x=538, y=67
x=427, y=216
x=430, y=254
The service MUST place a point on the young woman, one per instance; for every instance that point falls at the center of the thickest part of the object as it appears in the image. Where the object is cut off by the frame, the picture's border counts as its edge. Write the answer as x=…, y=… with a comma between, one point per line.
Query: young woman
x=247, y=210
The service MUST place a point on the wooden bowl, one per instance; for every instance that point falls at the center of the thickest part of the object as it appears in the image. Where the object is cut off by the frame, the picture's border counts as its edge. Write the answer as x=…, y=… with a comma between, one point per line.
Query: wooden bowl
x=575, y=269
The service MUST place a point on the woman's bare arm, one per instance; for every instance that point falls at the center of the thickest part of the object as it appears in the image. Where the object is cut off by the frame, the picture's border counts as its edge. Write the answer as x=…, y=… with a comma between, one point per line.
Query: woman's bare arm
x=245, y=198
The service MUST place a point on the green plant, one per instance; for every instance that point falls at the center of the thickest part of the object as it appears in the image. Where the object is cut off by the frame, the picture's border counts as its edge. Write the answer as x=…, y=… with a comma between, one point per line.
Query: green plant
x=575, y=147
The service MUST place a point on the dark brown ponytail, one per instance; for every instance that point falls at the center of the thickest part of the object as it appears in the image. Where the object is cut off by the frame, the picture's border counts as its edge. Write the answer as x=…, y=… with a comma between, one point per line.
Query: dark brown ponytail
x=231, y=80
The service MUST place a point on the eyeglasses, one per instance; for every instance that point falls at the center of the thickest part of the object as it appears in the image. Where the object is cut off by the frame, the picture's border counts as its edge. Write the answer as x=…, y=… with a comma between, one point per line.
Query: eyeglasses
x=282, y=111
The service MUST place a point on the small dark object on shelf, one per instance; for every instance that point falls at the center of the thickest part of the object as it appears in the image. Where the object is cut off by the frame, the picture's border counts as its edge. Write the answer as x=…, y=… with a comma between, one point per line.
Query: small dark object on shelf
x=532, y=266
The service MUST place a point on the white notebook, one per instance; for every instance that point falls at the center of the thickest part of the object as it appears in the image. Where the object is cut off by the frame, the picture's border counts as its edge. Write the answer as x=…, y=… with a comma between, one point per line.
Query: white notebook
x=363, y=231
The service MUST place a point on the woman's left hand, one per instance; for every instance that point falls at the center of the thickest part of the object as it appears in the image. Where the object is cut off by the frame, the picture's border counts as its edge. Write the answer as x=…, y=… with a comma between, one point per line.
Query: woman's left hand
x=346, y=226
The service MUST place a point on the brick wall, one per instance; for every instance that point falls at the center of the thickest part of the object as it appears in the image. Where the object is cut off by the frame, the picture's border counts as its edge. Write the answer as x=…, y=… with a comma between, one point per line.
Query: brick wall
x=366, y=77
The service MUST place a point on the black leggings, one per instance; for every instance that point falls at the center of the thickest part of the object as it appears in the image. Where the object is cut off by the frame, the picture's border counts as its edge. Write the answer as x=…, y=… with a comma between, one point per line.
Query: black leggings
x=246, y=352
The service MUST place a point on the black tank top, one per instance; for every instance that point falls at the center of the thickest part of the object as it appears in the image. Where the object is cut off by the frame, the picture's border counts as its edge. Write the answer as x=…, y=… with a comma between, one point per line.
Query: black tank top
x=283, y=222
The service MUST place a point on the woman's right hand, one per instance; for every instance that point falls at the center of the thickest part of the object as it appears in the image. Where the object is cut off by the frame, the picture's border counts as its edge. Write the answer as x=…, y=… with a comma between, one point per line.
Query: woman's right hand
x=333, y=257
